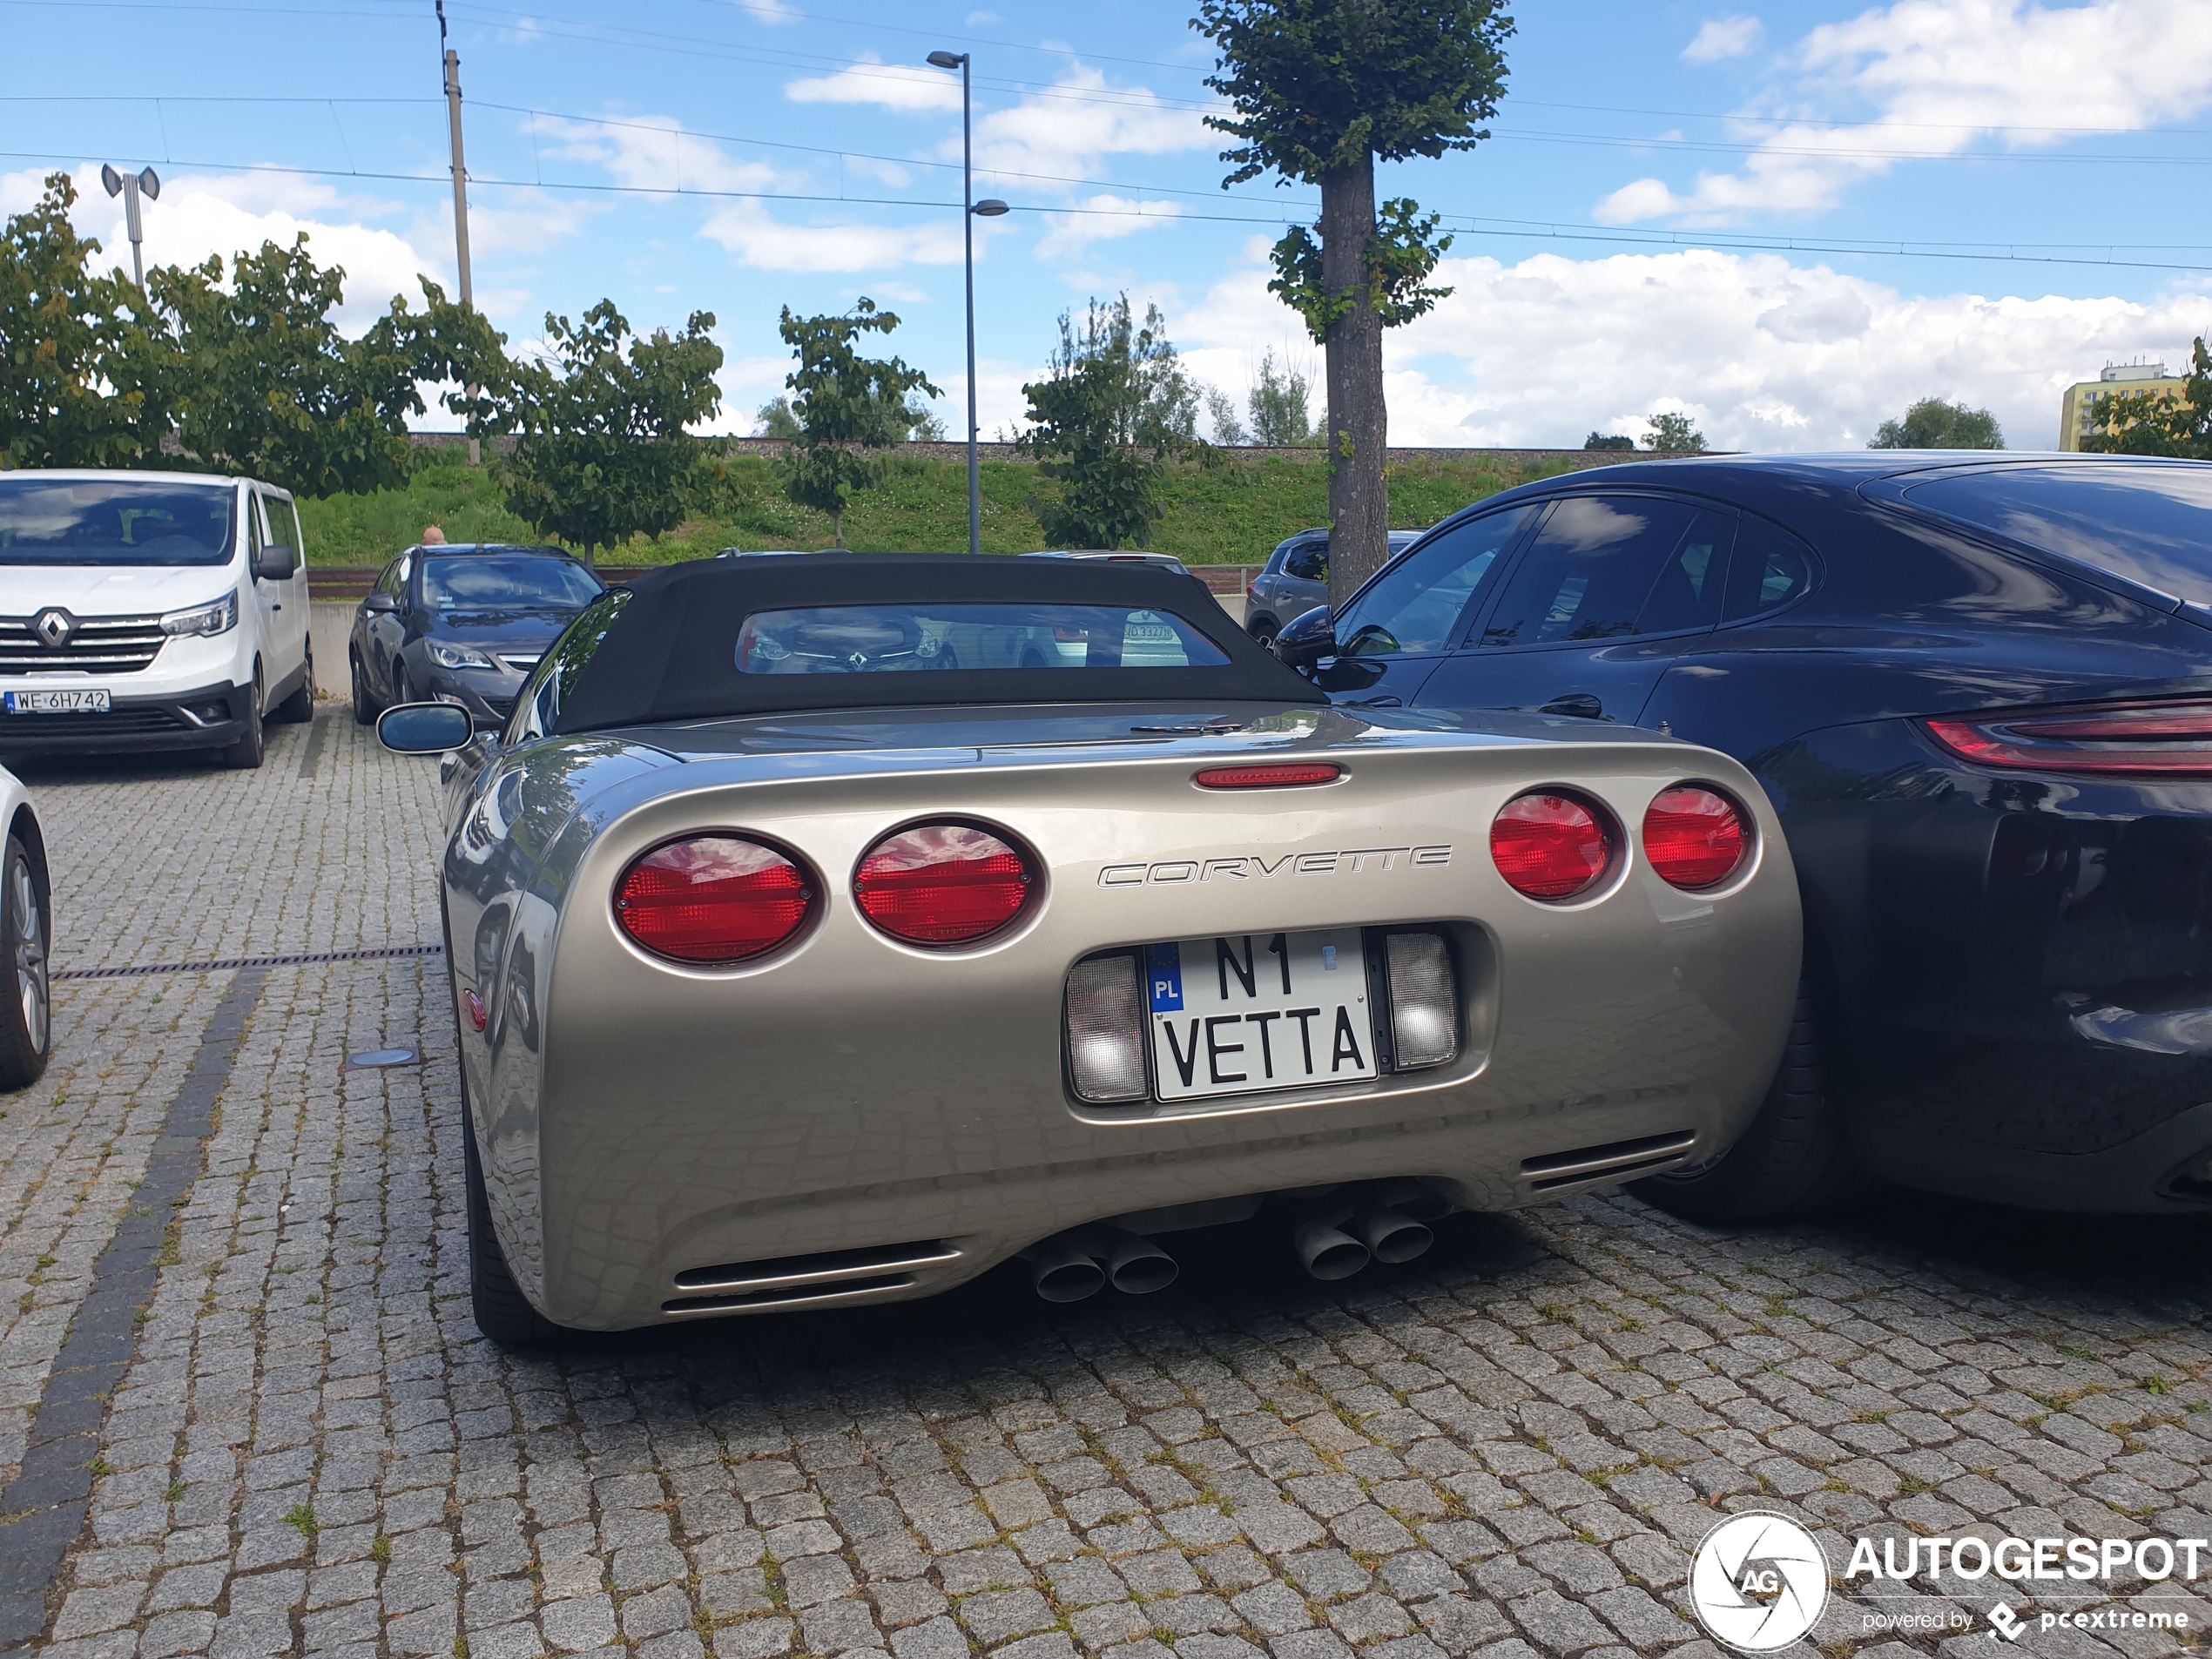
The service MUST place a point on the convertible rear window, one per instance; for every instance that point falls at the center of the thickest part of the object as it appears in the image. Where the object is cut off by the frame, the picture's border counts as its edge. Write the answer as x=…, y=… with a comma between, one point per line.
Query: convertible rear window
x=907, y=638
x=2151, y=524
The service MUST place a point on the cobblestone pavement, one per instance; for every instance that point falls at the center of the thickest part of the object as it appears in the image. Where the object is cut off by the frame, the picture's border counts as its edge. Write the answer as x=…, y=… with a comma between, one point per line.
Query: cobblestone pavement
x=1508, y=1448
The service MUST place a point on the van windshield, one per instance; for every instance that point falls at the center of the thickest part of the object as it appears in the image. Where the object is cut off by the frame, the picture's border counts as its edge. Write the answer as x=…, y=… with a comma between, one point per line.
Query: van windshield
x=138, y=520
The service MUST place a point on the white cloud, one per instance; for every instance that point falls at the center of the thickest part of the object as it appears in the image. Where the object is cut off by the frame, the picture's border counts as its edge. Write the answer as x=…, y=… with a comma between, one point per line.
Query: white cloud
x=1066, y=132
x=1106, y=218
x=908, y=89
x=975, y=18
x=758, y=239
x=1943, y=75
x=770, y=11
x=651, y=153
x=1724, y=37
x=1764, y=354
x=200, y=214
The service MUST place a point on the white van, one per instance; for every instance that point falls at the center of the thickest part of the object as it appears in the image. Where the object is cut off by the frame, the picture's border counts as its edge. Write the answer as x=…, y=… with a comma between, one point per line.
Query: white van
x=149, y=610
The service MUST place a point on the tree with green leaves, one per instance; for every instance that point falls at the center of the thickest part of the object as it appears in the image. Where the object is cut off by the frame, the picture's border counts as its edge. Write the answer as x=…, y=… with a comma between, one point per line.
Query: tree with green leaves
x=1674, y=434
x=1319, y=90
x=1934, y=424
x=258, y=380
x=846, y=405
x=604, y=453
x=71, y=359
x=1277, y=403
x=1608, y=440
x=1115, y=410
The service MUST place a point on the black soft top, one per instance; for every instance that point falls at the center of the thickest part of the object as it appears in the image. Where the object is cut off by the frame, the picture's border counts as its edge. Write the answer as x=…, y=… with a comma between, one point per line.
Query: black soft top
x=671, y=654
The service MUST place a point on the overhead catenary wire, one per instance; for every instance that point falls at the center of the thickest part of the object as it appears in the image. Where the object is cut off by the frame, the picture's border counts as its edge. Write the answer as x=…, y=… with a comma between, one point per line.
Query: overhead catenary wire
x=1992, y=253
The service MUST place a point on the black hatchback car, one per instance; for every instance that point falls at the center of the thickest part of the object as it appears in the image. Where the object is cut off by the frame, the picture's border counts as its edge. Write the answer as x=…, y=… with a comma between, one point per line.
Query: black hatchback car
x=1979, y=691
x=462, y=623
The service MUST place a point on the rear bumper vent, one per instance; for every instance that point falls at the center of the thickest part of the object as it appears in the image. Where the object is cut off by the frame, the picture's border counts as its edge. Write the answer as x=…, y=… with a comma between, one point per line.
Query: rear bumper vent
x=1621, y=1161
x=821, y=1280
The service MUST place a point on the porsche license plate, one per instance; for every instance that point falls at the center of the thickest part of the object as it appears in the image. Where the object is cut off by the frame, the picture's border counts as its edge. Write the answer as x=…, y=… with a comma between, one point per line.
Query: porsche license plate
x=1258, y=1011
x=86, y=702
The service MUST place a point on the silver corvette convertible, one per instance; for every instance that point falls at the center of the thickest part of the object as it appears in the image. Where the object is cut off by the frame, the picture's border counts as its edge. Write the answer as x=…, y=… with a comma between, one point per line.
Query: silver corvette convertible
x=820, y=937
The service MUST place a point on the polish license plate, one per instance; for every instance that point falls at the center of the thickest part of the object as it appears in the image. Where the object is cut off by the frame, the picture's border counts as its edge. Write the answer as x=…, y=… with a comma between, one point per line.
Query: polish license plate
x=85, y=702
x=1259, y=1011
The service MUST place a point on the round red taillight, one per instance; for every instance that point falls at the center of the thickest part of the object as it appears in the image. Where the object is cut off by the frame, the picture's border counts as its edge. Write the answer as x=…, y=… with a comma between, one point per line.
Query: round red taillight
x=1549, y=847
x=712, y=898
x=1694, y=837
x=942, y=883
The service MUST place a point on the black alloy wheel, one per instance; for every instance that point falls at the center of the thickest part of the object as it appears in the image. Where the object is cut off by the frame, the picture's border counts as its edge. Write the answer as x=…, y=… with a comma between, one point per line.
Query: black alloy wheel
x=299, y=707
x=26, y=988
x=1796, y=1158
x=246, y=754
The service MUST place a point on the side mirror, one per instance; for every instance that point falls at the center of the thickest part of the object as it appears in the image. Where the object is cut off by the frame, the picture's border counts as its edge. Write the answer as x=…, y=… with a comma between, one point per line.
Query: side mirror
x=275, y=563
x=424, y=728
x=1308, y=639
x=376, y=602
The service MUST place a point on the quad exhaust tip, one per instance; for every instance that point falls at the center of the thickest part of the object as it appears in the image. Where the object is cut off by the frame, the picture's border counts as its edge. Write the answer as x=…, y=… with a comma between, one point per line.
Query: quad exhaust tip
x=1070, y=1267
x=1386, y=1223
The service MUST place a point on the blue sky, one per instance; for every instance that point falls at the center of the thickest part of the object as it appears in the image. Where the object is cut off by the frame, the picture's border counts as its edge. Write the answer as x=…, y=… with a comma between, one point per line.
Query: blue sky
x=1789, y=222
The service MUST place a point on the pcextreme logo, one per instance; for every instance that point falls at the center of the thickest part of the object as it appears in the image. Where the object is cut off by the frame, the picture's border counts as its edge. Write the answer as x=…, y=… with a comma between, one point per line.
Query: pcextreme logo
x=1759, y=1582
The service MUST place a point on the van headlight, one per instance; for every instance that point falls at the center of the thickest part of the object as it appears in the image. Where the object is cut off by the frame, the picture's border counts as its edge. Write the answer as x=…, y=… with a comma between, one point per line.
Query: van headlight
x=218, y=618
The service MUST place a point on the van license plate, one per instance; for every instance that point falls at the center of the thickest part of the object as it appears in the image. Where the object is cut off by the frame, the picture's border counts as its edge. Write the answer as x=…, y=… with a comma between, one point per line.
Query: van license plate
x=88, y=702
x=1259, y=1011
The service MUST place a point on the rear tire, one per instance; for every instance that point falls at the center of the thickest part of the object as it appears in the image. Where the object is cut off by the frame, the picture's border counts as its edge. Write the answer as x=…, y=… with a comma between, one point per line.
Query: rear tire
x=26, y=992
x=1263, y=630
x=1797, y=1157
x=246, y=754
x=502, y=1313
x=300, y=708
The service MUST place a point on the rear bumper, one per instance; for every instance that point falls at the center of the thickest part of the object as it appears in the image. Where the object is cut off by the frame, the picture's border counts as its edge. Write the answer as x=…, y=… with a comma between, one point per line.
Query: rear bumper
x=210, y=716
x=2018, y=972
x=2148, y=1174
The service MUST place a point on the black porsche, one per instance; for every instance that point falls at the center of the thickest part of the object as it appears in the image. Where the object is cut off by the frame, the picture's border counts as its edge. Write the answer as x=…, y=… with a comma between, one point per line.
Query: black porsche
x=1978, y=690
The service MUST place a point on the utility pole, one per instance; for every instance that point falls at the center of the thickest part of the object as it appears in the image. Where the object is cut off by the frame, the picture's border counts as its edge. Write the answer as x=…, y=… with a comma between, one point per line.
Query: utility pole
x=460, y=192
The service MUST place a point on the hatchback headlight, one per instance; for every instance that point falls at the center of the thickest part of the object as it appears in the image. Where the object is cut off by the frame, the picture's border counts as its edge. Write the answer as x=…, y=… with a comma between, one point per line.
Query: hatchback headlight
x=218, y=618
x=448, y=656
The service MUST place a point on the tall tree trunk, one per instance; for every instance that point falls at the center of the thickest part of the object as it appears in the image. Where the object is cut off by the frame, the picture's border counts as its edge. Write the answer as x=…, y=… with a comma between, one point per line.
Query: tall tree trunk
x=1359, y=425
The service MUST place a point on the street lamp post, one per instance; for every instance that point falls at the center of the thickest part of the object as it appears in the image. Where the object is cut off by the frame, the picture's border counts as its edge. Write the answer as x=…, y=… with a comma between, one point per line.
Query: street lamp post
x=971, y=210
x=131, y=187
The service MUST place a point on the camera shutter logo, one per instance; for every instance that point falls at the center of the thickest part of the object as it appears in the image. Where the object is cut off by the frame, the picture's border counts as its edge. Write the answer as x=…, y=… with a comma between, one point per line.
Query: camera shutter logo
x=1759, y=1582
x=54, y=627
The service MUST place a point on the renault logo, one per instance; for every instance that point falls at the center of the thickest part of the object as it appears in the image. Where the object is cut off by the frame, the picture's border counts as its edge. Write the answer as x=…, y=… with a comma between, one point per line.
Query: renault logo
x=54, y=627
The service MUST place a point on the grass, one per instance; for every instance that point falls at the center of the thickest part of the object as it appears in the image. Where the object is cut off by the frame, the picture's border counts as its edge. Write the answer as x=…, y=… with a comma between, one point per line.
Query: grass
x=1230, y=513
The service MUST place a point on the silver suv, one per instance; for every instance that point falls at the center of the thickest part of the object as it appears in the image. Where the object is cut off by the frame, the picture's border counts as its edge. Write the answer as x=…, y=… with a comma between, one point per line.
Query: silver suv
x=1297, y=578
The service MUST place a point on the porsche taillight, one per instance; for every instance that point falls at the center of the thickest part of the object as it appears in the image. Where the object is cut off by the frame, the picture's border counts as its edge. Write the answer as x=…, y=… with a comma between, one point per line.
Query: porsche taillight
x=2146, y=739
x=712, y=899
x=943, y=884
x=1694, y=837
x=1551, y=845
